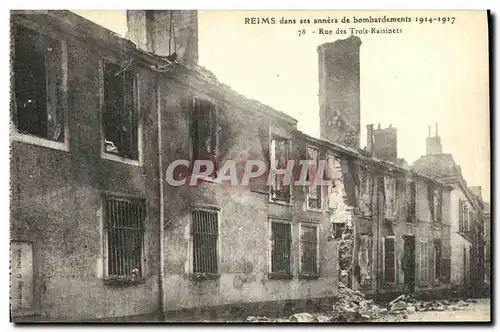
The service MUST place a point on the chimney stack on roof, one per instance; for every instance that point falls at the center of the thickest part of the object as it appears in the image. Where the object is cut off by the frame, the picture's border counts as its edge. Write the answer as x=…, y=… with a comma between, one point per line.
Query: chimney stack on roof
x=339, y=91
x=171, y=33
x=433, y=143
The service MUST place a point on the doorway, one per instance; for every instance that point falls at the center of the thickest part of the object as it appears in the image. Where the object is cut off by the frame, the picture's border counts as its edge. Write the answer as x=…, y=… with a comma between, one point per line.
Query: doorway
x=409, y=263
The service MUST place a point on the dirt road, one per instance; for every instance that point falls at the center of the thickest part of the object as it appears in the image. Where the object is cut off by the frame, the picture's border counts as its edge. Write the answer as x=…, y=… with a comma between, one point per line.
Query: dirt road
x=474, y=312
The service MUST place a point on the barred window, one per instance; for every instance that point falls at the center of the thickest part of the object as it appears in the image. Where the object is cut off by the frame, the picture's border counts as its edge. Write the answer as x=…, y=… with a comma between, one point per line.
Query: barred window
x=281, y=248
x=309, y=249
x=125, y=236
x=120, y=114
x=389, y=260
x=39, y=84
x=205, y=236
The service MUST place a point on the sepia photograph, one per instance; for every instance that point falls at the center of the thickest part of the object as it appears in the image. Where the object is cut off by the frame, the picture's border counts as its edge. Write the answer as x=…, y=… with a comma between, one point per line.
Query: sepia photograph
x=276, y=167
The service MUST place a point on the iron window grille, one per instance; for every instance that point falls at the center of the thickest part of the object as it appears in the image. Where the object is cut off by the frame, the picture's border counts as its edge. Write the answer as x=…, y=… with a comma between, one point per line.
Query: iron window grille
x=125, y=237
x=281, y=249
x=204, y=231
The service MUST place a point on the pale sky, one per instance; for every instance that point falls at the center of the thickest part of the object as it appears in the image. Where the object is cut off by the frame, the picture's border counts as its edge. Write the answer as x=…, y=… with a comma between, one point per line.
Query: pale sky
x=428, y=73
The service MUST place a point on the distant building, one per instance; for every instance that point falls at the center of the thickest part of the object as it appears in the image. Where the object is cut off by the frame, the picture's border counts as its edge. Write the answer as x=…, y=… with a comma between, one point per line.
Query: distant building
x=466, y=215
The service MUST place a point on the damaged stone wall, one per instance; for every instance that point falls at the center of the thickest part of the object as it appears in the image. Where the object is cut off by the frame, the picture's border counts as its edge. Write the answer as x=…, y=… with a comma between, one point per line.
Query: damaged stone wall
x=341, y=215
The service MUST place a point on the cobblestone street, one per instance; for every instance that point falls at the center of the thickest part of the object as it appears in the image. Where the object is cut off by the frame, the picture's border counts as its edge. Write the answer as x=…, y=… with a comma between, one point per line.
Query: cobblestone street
x=475, y=312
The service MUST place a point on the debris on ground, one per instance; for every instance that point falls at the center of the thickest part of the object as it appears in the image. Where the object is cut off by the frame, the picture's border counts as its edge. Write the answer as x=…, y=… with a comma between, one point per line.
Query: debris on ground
x=352, y=306
x=410, y=304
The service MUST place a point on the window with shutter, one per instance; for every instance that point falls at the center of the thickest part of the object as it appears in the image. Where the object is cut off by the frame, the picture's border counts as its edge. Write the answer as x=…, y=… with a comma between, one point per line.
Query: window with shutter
x=437, y=260
x=424, y=262
x=314, y=189
x=460, y=215
x=280, y=155
x=411, y=201
x=309, y=250
x=389, y=260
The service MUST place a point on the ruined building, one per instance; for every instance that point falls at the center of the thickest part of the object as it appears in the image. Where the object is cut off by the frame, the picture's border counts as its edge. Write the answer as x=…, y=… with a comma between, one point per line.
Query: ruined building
x=97, y=232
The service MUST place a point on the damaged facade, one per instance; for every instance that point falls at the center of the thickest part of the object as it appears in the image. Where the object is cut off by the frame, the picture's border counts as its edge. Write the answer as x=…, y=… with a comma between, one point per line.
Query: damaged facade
x=91, y=142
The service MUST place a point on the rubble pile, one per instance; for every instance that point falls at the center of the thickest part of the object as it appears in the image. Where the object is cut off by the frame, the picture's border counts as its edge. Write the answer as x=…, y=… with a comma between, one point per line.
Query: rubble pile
x=352, y=306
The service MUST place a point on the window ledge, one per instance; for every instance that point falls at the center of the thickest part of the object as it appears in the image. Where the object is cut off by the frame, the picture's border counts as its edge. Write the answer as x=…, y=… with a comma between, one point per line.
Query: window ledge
x=259, y=191
x=123, y=160
x=389, y=285
x=273, y=201
x=123, y=281
x=198, y=276
x=280, y=275
x=314, y=210
x=29, y=139
x=305, y=275
x=366, y=286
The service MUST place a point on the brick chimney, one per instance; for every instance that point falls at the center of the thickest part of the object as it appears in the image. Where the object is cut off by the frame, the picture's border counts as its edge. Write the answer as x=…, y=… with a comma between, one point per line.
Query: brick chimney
x=164, y=32
x=433, y=143
x=339, y=91
x=385, y=144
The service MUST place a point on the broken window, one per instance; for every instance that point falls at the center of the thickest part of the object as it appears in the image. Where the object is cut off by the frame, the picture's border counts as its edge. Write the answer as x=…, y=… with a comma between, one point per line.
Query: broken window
x=423, y=259
x=460, y=215
x=309, y=249
x=390, y=198
x=280, y=155
x=411, y=201
x=334, y=175
x=38, y=85
x=437, y=259
x=365, y=260
x=205, y=132
x=365, y=190
x=445, y=269
x=120, y=114
x=389, y=260
x=125, y=232
x=281, y=248
x=314, y=189
x=434, y=197
x=437, y=205
x=205, y=236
